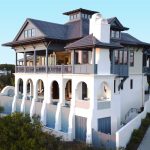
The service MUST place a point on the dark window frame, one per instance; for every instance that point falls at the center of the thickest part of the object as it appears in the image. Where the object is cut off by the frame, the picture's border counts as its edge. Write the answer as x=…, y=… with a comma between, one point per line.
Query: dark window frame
x=114, y=86
x=131, y=84
x=29, y=33
x=115, y=34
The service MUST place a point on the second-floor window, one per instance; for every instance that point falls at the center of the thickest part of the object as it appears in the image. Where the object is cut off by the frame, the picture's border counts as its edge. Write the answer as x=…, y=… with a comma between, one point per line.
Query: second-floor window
x=29, y=33
x=115, y=34
x=131, y=58
x=121, y=57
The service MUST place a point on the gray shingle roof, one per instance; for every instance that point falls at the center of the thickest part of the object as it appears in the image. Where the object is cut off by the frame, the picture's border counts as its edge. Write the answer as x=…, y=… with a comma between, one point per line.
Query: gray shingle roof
x=127, y=39
x=51, y=30
x=71, y=30
x=90, y=41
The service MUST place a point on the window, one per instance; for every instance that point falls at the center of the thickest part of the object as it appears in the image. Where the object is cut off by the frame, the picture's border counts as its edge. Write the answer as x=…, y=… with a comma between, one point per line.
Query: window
x=120, y=57
x=82, y=15
x=114, y=86
x=29, y=33
x=33, y=32
x=78, y=15
x=121, y=85
x=131, y=58
x=25, y=33
x=125, y=57
x=116, y=57
x=131, y=84
x=85, y=57
x=84, y=91
x=115, y=34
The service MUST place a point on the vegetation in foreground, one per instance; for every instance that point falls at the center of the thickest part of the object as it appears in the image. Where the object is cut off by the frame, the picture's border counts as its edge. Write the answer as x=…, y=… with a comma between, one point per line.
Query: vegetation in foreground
x=9, y=79
x=138, y=134
x=18, y=133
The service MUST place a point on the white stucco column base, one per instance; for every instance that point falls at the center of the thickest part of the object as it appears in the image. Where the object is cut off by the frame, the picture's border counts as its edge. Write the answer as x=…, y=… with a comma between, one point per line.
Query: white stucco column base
x=32, y=109
x=43, y=113
x=23, y=104
x=14, y=104
x=58, y=118
x=70, y=129
x=89, y=128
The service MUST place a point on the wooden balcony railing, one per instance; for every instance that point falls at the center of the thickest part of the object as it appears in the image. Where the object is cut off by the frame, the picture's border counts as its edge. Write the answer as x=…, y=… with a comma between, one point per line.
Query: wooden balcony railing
x=59, y=69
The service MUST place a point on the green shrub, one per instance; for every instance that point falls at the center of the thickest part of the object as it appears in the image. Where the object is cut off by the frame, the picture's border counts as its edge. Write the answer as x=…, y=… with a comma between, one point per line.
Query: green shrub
x=138, y=134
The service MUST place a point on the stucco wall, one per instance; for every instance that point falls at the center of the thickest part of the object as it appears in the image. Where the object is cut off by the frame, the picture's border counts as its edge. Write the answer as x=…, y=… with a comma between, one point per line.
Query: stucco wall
x=138, y=62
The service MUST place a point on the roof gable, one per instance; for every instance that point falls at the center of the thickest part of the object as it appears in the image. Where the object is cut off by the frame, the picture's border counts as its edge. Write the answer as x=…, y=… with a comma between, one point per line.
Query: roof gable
x=116, y=24
x=26, y=26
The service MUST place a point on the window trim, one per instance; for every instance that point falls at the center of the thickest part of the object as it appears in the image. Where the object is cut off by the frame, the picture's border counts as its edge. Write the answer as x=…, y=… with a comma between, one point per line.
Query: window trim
x=131, y=83
x=29, y=33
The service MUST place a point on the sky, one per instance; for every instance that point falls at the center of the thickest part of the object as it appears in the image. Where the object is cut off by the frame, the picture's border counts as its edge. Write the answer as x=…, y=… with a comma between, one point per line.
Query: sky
x=134, y=14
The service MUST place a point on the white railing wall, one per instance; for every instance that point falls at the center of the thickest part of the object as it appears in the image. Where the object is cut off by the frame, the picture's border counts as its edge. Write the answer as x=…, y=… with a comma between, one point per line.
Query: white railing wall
x=124, y=134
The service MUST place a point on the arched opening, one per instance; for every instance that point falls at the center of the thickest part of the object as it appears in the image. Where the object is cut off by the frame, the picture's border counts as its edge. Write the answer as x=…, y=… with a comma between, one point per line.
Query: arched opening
x=29, y=89
x=40, y=87
x=82, y=91
x=55, y=92
x=105, y=92
x=68, y=92
x=20, y=88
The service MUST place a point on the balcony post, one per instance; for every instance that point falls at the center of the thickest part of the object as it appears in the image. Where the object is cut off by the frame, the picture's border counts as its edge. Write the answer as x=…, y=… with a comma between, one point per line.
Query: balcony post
x=93, y=60
x=16, y=62
x=47, y=60
x=34, y=61
x=25, y=62
x=72, y=60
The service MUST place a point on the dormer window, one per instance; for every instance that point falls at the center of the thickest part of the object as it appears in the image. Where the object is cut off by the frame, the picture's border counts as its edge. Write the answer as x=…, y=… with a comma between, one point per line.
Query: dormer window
x=29, y=33
x=115, y=34
x=74, y=16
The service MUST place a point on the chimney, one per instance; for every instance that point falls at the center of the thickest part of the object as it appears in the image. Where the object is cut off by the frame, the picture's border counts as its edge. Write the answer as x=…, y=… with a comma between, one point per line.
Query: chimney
x=100, y=28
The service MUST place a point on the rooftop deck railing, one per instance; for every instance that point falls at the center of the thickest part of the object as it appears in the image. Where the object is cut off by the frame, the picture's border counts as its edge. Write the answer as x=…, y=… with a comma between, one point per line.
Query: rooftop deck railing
x=59, y=69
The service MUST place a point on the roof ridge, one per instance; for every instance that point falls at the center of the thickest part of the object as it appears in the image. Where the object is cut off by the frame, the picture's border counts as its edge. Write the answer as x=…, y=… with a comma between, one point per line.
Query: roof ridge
x=44, y=21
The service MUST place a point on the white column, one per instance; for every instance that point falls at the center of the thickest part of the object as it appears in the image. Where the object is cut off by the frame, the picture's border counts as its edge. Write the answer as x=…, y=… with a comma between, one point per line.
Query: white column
x=15, y=96
x=24, y=96
x=71, y=126
x=35, y=91
x=92, y=109
x=59, y=105
x=45, y=101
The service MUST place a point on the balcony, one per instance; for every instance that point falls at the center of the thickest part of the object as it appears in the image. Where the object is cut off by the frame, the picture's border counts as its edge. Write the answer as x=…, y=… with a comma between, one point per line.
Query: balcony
x=103, y=104
x=59, y=69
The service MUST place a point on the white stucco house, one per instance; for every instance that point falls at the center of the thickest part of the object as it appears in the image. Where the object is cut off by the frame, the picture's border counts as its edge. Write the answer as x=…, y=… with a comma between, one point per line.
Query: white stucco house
x=87, y=75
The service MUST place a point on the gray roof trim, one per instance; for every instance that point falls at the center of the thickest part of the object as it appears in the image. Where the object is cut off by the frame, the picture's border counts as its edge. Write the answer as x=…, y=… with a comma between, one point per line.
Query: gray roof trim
x=120, y=26
x=28, y=20
x=91, y=12
x=127, y=39
x=89, y=42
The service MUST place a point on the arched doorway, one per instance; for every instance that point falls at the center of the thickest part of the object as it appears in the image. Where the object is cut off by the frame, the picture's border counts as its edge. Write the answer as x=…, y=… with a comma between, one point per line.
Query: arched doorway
x=55, y=92
x=40, y=88
x=20, y=88
x=82, y=91
x=68, y=92
x=29, y=89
